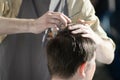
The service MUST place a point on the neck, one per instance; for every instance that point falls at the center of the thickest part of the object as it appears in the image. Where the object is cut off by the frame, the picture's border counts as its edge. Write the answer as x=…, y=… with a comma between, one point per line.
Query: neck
x=75, y=77
x=58, y=78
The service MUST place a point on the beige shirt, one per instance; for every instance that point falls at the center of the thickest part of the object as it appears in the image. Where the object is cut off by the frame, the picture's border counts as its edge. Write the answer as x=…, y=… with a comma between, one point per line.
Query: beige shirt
x=82, y=9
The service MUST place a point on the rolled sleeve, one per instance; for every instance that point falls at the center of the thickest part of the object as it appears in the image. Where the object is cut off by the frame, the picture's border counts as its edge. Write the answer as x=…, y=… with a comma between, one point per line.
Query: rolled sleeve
x=89, y=14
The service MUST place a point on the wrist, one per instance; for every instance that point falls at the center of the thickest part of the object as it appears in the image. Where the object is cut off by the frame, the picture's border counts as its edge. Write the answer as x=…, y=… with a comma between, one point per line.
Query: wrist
x=30, y=26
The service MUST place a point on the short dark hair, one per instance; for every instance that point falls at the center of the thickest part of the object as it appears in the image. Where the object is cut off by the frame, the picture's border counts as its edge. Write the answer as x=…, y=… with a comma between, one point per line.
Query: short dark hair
x=67, y=51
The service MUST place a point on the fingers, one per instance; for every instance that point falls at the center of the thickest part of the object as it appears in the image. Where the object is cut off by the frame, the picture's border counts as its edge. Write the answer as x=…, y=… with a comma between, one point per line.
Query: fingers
x=49, y=20
x=73, y=27
x=53, y=21
x=58, y=18
x=83, y=31
x=81, y=21
x=79, y=28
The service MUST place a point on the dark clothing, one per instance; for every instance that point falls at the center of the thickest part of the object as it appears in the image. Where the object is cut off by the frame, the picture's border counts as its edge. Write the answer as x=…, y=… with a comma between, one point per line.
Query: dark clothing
x=101, y=7
x=22, y=56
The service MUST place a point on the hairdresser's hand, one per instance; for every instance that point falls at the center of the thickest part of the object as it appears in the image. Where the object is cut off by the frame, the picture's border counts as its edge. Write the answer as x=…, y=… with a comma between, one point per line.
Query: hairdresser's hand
x=85, y=31
x=48, y=20
x=102, y=50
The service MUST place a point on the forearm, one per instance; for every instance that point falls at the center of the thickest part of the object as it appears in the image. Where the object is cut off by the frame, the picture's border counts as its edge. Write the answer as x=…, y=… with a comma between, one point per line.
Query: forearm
x=105, y=47
x=48, y=20
x=13, y=25
x=105, y=51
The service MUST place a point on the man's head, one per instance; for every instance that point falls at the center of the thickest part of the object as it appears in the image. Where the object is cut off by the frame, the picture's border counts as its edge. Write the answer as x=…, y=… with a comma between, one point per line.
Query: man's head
x=71, y=56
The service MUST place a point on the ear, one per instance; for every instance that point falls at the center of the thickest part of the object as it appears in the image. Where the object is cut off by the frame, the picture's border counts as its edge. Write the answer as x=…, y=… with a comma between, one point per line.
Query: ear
x=81, y=70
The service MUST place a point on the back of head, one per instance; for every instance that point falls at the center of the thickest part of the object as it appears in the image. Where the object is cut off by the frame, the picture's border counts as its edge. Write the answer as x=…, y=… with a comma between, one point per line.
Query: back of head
x=66, y=52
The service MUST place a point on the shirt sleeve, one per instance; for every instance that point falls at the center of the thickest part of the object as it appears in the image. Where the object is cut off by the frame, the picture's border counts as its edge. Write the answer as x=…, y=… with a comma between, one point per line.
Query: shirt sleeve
x=89, y=15
x=3, y=7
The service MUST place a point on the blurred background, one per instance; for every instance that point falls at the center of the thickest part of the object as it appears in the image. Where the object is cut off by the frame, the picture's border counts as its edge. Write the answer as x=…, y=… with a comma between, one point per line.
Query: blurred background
x=108, y=12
